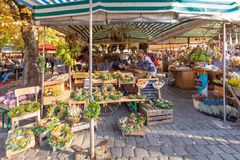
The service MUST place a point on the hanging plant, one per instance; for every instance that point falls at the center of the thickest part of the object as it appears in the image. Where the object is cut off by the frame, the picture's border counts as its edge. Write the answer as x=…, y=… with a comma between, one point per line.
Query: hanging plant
x=93, y=111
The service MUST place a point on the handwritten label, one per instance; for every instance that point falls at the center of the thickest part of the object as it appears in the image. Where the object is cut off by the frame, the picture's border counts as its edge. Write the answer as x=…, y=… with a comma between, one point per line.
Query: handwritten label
x=150, y=91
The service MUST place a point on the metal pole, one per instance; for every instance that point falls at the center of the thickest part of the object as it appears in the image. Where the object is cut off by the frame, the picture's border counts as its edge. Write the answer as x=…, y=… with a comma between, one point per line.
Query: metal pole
x=90, y=76
x=43, y=57
x=224, y=74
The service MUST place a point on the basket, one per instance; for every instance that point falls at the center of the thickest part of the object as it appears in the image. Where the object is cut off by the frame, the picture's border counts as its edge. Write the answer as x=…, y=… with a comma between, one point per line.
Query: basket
x=160, y=85
x=74, y=120
x=142, y=86
x=236, y=91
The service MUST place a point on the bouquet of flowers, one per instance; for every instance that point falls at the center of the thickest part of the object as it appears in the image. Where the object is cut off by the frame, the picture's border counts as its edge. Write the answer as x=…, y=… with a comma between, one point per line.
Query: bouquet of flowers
x=131, y=123
x=20, y=139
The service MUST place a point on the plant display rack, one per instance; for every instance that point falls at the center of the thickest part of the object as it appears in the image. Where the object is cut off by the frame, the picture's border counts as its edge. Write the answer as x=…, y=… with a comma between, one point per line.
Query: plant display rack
x=156, y=115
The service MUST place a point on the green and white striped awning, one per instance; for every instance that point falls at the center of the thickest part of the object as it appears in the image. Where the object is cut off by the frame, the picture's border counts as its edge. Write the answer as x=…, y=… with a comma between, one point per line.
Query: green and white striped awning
x=47, y=9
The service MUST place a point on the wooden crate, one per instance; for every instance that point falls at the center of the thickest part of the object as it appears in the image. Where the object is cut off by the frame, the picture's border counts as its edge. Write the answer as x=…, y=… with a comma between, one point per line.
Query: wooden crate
x=156, y=115
x=140, y=132
x=82, y=126
x=42, y=139
x=56, y=85
x=10, y=153
x=16, y=120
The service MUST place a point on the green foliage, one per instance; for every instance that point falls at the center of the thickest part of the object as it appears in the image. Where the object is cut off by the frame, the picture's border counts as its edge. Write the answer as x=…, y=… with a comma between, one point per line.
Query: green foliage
x=68, y=56
x=234, y=82
x=199, y=55
x=163, y=104
x=22, y=110
x=93, y=111
x=59, y=110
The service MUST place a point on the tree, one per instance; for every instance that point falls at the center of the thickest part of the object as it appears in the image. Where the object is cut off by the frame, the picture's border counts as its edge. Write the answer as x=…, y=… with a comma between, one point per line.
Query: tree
x=23, y=17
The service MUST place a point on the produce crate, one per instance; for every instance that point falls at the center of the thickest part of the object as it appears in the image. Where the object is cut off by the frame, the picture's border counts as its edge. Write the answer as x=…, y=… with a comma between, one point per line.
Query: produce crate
x=82, y=126
x=55, y=85
x=139, y=132
x=156, y=115
x=42, y=139
x=11, y=153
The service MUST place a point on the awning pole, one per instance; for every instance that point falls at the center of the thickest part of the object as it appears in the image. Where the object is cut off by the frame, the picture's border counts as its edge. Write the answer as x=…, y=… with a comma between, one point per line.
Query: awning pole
x=90, y=76
x=224, y=74
x=43, y=57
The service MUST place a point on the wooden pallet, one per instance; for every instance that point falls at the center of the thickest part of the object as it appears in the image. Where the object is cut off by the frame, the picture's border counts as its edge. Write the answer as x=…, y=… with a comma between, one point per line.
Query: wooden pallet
x=156, y=115
x=140, y=132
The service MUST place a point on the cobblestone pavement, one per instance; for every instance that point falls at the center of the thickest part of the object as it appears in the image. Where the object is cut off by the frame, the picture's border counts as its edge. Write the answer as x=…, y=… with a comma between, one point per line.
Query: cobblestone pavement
x=192, y=135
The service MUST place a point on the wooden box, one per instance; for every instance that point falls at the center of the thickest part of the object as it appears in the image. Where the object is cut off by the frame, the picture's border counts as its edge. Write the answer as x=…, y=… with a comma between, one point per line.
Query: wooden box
x=185, y=79
x=156, y=115
x=55, y=85
x=42, y=139
x=10, y=153
x=82, y=126
x=139, y=132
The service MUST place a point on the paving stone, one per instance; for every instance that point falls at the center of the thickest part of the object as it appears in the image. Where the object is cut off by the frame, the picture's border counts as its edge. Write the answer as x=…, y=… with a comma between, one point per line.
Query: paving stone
x=199, y=140
x=175, y=158
x=141, y=152
x=221, y=140
x=116, y=152
x=42, y=153
x=30, y=153
x=188, y=157
x=154, y=151
x=119, y=143
x=237, y=156
x=187, y=141
x=227, y=156
x=202, y=149
x=227, y=149
x=54, y=154
x=176, y=141
x=130, y=141
x=200, y=157
x=135, y=158
x=163, y=157
x=191, y=150
x=128, y=151
x=179, y=150
x=214, y=149
x=214, y=157
x=236, y=147
x=122, y=158
x=111, y=142
x=142, y=142
x=32, y=158
x=153, y=141
x=150, y=158
x=210, y=140
x=165, y=141
x=167, y=150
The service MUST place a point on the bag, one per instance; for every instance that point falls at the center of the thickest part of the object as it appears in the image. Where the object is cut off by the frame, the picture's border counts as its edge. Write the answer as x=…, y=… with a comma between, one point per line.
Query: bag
x=153, y=58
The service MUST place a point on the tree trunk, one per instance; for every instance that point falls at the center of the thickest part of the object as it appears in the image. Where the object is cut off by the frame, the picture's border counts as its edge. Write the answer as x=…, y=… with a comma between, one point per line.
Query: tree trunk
x=31, y=73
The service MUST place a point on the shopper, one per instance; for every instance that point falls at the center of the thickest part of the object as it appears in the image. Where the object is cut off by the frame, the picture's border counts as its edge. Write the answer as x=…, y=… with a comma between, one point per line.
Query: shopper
x=121, y=64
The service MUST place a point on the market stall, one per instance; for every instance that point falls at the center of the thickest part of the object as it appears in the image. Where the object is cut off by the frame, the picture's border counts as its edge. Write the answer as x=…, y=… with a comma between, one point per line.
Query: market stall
x=60, y=135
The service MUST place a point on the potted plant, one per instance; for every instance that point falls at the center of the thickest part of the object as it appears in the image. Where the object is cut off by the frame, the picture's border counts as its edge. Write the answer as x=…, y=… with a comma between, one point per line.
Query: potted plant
x=59, y=110
x=74, y=115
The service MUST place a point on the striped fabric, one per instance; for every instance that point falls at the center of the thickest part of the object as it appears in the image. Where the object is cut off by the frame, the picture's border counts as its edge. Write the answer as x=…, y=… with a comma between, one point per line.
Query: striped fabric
x=58, y=8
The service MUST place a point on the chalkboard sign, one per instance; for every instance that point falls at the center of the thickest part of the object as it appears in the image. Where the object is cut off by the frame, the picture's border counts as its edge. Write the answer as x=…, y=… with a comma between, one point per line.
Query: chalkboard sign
x=149, y=90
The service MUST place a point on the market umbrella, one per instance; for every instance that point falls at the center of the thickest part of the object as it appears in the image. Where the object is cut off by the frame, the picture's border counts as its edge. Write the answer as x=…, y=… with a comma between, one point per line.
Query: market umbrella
x=48, y=47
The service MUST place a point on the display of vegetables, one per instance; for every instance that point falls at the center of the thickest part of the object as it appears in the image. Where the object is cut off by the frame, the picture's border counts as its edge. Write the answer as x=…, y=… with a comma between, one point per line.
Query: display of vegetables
x=107, y=91
x=163, y=104
x=59, y=110
x=24, y=109
x=131, y=123
x=52, y=92
x=235, y=82
x=160, y=103
x=200, y=55
x=217, y=82
x=19, y=139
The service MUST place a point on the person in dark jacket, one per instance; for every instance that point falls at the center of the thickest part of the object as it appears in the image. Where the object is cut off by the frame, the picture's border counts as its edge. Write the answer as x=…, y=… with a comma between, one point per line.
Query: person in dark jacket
x=121, y=64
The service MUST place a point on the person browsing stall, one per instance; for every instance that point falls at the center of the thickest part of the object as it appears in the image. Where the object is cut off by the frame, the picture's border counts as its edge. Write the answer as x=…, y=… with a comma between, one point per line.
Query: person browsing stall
x=121, y=64
x=145, y=63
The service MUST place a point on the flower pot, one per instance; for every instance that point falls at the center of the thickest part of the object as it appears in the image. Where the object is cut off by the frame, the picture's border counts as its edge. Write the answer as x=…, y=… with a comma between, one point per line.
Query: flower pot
x=73, y=120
